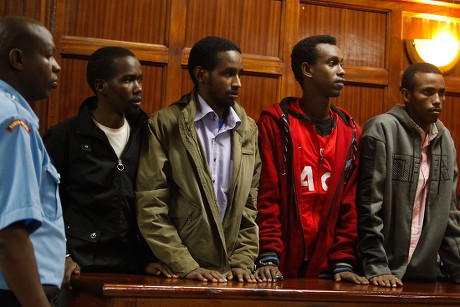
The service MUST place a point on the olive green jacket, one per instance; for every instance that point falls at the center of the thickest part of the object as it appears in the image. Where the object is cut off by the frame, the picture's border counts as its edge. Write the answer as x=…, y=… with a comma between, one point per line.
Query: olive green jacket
x=177, y=208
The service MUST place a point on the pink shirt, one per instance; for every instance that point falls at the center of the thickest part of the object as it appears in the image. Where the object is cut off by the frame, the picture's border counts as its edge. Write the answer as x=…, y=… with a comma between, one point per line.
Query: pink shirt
x=418, y=211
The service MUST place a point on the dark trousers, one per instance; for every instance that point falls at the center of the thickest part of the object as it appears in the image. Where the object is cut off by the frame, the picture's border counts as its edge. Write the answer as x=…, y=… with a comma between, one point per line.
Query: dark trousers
x=8, y=299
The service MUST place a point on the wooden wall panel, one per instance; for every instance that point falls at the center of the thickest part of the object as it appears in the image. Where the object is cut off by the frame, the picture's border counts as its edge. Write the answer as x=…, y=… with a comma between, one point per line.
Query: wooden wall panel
x=152, y=87
x=362, y=102
x=75, y=89
x=450, y=118
x=361, y=34
x=253, y=24
x=186, y=84
x=36, y=9
x=142, y=21
x=257, y=92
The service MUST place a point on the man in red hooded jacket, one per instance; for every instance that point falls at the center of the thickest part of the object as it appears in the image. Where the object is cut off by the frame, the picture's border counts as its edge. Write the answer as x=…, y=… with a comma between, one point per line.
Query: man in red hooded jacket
x=309, y=149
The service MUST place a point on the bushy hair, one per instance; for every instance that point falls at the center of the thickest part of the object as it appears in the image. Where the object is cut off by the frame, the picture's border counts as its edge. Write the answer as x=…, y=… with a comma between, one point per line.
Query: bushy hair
x=100, y=64
x=204, y=53
x=305, y=52
x=408, y=79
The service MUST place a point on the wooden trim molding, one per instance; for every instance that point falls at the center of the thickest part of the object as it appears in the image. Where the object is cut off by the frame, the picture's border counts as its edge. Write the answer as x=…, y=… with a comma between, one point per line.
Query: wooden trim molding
x=73, y=45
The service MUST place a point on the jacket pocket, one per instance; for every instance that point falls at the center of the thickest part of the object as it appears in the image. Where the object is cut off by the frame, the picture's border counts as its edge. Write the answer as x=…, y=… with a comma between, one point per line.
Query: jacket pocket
x=83, y=232
x=82, y=242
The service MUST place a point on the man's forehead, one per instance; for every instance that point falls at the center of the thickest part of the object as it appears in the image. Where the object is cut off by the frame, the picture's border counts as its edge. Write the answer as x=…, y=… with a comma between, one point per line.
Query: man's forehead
x=229, y=57
x=328, y=50
x=428, y=79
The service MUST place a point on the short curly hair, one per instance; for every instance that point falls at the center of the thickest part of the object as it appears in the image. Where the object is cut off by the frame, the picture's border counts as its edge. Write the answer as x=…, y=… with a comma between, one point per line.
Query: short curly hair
x=100, y=63
x=204, y=53
x=305, y=52
x=408, y=78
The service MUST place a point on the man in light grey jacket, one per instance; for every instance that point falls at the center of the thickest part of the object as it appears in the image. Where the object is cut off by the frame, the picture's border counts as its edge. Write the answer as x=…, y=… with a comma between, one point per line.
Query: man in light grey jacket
x=407, y=213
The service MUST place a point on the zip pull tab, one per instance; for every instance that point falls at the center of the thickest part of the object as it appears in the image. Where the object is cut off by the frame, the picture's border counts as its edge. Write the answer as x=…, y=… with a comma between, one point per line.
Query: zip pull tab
x=120, y=165
x=321, y=150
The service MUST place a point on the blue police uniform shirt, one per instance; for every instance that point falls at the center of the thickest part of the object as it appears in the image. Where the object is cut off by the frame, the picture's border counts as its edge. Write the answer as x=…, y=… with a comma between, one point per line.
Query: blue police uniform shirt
x=29, y=186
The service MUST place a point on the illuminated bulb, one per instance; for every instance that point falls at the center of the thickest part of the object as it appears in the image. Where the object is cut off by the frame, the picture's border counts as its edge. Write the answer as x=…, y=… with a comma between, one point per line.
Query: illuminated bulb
x=439, y=51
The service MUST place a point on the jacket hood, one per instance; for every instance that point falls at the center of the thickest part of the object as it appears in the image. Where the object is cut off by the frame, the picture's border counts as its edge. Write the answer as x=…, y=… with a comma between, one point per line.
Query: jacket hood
x=399, y=111
x=276, y=111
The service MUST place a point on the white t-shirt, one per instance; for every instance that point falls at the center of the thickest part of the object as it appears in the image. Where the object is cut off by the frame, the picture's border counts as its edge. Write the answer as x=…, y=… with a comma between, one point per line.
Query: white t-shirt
x=118, y=137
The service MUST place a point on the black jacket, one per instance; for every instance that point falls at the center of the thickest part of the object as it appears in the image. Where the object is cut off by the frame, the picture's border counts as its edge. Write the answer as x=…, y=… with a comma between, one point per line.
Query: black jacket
x=97, y=196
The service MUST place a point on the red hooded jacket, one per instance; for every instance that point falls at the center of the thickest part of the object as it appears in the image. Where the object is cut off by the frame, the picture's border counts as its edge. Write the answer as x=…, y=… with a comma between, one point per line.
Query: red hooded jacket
x=280, y=228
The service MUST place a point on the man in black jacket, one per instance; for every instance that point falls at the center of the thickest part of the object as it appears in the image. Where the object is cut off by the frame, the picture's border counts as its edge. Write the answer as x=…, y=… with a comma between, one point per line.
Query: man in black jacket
x=97, y=154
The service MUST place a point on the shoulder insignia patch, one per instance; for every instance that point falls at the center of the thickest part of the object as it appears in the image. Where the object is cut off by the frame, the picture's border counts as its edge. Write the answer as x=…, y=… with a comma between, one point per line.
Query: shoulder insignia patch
x=18, y=123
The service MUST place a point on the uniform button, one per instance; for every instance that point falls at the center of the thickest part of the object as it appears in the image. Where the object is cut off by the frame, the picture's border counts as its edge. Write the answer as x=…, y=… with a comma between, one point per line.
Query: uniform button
x=86, y=146
x=93, y=235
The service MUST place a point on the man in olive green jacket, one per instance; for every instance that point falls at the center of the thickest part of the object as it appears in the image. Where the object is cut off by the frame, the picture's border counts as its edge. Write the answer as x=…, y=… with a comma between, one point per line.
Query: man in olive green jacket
x=199, y=173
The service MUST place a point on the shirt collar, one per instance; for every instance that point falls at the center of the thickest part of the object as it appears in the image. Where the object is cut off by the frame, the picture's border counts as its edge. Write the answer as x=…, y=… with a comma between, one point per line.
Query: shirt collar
x=427, y=138
x=232, y=121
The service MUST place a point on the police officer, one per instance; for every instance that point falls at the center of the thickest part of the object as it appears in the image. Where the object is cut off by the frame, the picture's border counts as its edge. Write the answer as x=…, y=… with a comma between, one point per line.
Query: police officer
x=32, y=241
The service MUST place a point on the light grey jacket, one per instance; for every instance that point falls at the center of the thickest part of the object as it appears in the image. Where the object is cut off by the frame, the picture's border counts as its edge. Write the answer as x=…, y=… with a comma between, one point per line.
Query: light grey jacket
x=389, y=170
x=177, y=209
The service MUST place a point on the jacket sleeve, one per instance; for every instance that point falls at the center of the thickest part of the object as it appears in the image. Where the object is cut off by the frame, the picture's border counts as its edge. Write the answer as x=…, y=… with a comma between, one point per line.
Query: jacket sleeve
x=371, y=185
x=152, y=195
x=269, y=198
x=346, y=231
x=247, y=245
x=450, y=246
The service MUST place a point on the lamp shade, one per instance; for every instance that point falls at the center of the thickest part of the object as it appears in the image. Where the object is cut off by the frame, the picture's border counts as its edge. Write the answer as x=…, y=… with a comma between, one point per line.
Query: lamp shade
x=442, y=51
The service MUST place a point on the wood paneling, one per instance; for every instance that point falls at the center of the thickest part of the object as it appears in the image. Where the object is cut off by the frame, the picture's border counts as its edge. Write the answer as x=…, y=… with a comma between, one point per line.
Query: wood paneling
x=257, y=92
x=141, y=21
x=363, y=102
x=75, y=89
x=37, y=9
x=450, y=117
x=361, y=33
x=254, y=25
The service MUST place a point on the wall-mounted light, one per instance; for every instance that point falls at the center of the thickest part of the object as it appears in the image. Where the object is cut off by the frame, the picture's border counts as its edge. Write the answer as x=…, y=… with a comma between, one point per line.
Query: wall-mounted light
x=442, y=51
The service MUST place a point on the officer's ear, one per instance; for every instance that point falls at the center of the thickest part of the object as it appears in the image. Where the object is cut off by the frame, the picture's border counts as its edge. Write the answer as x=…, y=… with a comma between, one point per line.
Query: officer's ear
x=16, y=57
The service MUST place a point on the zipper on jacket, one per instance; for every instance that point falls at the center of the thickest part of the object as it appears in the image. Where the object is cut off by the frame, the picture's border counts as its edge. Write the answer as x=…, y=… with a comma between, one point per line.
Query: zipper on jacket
x=289, y=143
x=120, y=165
x=320, y=164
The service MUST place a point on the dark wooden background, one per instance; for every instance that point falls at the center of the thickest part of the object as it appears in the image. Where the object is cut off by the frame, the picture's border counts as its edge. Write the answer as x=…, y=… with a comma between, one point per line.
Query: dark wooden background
x=371, y=34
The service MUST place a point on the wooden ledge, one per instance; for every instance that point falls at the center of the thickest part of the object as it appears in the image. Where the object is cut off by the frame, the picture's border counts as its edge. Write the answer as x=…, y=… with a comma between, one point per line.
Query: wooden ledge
x=92, y=289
